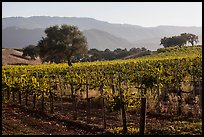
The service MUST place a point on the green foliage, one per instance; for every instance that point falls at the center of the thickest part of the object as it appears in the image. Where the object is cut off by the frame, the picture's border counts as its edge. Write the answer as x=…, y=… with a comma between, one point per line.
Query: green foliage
x=179, y=40
x=61, y=43
x=177, y=52
x=31, y=51
x=146, y=72
x=119, y=130
x=113, y=103
x=97, y=55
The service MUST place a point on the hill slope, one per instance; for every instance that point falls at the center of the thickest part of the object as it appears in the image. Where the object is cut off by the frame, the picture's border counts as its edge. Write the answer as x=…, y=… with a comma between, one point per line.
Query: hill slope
x=148, y=37
x=14, y=57
x=103, y=40
x=176, y=52
x=96, y=38
x=14, y=37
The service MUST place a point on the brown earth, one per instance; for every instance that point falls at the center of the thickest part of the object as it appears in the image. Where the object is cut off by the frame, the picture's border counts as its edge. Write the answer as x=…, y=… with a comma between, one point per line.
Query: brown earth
x=24, y=120
x=13, y=57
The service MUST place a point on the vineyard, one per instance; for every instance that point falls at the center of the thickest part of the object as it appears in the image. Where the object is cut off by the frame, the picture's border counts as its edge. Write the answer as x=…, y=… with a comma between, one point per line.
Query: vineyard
x=99, y=93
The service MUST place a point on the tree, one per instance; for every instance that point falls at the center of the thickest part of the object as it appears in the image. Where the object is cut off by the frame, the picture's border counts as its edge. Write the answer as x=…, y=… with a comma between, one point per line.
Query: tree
x=30, y=50
x=120, y=53
x=191, y=38
x=61, y=43
x=173, y=41
x=178, y=41
x=143, y=49
x=108, y=55
x=95, y=54
x=164, y=42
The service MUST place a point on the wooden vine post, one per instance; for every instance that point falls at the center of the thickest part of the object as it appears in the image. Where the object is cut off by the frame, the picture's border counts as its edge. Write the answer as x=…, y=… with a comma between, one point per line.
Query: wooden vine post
x=34, y=100
x=51, y=102
x=19, y=97
x=8, y=94
x=60, y=88
x=143, y=109
x=42, y=101
x=50, y=96
x=88, y=101
x=143, y=115
x=103, y=106
x=178, y=91
x=72, y=87
x=122, y=105
x=112, y=85
x=75, y=107
x=26, y=98
x=158, y=94
x=34, y=97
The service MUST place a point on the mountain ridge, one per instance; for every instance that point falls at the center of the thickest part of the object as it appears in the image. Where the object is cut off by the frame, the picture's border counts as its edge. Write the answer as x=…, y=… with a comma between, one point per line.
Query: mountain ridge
x=137, y=35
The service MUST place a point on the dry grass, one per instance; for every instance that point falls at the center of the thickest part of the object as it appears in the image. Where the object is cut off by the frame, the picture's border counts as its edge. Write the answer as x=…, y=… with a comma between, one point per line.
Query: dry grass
x=14, y=57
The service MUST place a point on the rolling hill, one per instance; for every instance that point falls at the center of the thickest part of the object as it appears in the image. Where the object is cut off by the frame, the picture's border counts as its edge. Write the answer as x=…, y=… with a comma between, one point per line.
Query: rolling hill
x=102, y=40
x=14, y=57
x=138, y=36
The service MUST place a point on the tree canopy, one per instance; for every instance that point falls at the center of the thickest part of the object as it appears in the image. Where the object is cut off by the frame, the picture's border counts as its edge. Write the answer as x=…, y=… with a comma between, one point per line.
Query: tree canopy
x=61, y=43
x=31, y=51
x=191, y=38
x=179, y=40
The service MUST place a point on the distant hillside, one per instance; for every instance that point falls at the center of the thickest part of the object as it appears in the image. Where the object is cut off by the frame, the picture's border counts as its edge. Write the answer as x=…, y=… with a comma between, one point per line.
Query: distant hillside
x=14, y=37
x=148, y=37
x=103, y=40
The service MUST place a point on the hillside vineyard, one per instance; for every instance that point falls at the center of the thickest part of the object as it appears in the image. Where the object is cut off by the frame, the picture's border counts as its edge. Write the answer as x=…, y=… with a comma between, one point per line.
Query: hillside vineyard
x=93, y=91
x=41, y=80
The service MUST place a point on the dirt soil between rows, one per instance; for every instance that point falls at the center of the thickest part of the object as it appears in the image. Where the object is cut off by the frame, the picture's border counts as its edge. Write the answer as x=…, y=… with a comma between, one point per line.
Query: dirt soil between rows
x=22, y=120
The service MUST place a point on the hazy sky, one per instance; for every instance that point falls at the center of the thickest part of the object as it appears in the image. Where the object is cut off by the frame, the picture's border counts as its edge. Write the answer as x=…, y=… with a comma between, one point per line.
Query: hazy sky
x=146, y=14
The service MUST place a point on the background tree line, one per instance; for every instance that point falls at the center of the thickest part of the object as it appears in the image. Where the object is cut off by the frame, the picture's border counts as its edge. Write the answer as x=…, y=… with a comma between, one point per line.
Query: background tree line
x=99, y=55
x=66, y=43
x=90, y=55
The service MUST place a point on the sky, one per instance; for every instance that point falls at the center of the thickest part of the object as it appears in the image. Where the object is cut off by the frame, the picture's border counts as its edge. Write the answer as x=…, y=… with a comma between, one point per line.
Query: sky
x=146, y=14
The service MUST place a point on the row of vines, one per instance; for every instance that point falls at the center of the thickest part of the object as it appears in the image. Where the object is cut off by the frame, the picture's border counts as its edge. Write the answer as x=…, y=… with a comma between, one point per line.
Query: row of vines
x=161, y=75
x=168, y=84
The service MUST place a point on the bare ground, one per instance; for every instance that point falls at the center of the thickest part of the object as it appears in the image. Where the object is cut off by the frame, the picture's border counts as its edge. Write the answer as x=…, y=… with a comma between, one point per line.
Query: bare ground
x=14, y=57
x=22, y=120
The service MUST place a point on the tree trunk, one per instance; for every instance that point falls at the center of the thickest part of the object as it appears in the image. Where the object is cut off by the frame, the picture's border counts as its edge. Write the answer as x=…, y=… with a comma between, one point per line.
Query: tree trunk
x=69, y=62
x=191, y=43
